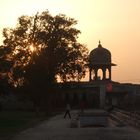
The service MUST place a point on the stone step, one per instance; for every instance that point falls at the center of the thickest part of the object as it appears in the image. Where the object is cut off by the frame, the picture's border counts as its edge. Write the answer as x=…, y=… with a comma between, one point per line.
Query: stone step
x=119, y=122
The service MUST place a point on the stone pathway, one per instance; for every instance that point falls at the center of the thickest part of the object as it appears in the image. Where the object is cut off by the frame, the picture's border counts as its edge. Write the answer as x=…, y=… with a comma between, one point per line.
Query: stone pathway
x=58, y=128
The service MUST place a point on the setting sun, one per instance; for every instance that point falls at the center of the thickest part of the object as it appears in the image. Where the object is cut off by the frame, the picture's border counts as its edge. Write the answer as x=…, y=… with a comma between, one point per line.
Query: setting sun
x=32, y=48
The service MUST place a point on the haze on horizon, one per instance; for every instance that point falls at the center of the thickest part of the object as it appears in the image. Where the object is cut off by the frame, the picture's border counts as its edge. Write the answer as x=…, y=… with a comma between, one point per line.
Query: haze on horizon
x=115, y=22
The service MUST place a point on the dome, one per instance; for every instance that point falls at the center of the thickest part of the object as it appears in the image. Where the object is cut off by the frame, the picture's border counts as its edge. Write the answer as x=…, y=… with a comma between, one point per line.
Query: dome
x=100, y=55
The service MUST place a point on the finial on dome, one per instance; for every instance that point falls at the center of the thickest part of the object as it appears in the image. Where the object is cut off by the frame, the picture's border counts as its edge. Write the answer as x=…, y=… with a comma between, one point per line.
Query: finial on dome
x=99, y=44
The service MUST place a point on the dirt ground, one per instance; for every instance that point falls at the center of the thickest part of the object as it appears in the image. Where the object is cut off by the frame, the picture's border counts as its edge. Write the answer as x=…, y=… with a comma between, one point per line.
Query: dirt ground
x=58, y=128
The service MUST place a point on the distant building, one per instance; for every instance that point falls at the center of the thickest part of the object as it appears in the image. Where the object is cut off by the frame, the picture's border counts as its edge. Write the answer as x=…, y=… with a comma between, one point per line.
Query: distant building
x=99, y=91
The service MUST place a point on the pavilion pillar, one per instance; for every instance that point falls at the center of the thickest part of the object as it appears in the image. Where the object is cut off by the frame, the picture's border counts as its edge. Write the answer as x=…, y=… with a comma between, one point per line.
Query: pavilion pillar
x=104, y=73
x=102, y=96
x=96, y=74
x=109, y=73
x=90, y=74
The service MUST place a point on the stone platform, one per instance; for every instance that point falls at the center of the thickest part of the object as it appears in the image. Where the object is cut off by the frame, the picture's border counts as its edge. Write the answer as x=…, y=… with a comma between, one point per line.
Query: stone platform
x=93, y=118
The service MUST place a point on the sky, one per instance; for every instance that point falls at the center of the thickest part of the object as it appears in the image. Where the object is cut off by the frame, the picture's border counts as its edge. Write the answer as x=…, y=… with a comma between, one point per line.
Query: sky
x=115, y=22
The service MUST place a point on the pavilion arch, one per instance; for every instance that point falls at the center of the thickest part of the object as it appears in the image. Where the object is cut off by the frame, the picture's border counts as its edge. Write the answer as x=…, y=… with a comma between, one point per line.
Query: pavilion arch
x=107, y=73
x=100, y=58
x=100, y=74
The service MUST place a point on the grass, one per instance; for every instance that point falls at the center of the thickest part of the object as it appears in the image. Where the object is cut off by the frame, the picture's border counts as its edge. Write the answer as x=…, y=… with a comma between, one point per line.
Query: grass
x=12, y=122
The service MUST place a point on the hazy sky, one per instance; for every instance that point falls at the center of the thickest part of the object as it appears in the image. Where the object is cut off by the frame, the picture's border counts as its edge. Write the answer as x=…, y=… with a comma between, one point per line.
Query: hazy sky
x=115, y=22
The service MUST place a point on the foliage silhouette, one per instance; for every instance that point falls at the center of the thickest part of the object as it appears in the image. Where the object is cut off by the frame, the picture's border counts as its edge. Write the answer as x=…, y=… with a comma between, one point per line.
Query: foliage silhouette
x=56, y=53
x=56, y=49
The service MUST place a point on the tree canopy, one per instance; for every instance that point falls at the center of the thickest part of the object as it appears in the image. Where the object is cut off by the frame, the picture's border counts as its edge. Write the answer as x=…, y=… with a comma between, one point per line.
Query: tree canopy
x=43, y=48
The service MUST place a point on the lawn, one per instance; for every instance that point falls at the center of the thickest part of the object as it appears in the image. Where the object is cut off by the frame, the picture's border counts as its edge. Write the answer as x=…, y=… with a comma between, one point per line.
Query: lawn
x=12, y=122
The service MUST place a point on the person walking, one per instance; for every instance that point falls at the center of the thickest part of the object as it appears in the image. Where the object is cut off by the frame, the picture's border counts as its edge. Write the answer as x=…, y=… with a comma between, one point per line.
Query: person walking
x=67, y=111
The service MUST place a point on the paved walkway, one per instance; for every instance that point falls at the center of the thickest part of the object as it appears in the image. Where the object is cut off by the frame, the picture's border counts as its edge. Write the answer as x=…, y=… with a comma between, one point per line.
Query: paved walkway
x=58, y=128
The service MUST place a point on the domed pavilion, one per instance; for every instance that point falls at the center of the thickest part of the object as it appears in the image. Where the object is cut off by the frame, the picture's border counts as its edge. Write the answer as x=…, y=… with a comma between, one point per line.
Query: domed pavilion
x=100, y=58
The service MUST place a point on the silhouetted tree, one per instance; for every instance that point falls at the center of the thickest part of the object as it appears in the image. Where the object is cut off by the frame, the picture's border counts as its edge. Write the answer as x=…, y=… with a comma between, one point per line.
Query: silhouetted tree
x=5, y=65
x=43, y=49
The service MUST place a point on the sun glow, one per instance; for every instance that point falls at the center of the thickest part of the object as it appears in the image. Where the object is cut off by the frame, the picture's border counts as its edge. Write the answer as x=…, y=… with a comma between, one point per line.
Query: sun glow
x=31, y=48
